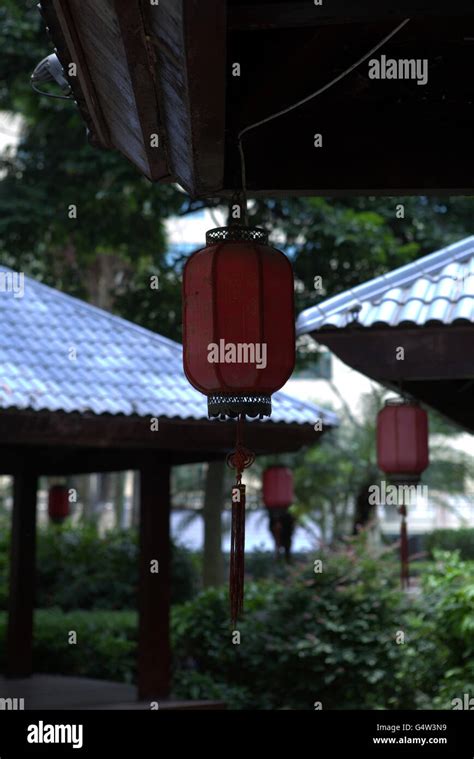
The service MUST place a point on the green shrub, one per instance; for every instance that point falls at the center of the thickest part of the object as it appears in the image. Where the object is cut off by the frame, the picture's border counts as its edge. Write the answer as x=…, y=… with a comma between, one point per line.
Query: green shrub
x=261, y=565
x=443, y=666
x=78, y=569
x=106, y=643
x=327, y=637
x=461, y=540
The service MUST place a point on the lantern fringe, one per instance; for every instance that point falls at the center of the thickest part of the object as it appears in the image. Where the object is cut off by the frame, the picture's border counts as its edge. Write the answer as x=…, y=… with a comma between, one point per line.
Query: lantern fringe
x=239, y=459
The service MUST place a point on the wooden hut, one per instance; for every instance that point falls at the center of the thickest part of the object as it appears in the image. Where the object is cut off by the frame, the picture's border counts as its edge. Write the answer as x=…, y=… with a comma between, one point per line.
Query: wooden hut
x=79, y=389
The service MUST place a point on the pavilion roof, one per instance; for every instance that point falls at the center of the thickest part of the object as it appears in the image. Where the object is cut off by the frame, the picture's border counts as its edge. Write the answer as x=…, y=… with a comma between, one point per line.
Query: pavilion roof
x=410, y=329
x=60, y=354
x=435, y=289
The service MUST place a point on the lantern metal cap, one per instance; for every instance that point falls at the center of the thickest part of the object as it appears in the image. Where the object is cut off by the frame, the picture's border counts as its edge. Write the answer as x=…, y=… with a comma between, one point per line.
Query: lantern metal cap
x=232, y=406
x=401, y=401
x=236, y=233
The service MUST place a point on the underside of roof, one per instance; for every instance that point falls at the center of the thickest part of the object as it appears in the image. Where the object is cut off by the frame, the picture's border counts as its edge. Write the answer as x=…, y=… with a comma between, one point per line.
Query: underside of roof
x=172, y=84
x=412, y=330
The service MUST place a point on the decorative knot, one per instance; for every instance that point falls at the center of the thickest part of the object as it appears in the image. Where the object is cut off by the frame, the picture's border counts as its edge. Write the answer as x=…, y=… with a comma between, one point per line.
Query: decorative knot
x=239, y=459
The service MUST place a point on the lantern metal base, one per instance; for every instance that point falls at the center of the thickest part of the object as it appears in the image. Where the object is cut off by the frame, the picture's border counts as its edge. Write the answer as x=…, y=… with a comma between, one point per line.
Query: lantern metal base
x=232, y=406
x=404, y=479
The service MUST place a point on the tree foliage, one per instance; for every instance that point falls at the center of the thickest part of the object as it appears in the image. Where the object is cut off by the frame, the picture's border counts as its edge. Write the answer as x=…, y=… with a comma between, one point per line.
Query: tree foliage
x=106, y=249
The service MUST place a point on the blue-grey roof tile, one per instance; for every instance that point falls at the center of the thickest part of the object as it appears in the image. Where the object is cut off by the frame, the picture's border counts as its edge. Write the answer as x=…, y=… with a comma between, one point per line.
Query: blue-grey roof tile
x=438, y=288
x=120, y=368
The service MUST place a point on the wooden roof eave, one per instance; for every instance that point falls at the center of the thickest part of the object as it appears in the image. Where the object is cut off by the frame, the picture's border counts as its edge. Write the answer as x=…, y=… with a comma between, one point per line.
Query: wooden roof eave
x=437, y=368
x=114, y=87
x=73, y=442
x=433, y=351
x=133, y=62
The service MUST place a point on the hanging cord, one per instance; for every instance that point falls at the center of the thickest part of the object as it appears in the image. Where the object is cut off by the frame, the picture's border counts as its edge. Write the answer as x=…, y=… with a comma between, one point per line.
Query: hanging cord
x=50, y=94
x=239, y=459
x=238, y=198
x=299, y=103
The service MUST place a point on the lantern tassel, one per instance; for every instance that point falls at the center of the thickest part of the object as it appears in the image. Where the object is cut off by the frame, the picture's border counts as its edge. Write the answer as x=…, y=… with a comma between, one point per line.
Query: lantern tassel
x=404, y=561
x=237, y=554
x=239, y=459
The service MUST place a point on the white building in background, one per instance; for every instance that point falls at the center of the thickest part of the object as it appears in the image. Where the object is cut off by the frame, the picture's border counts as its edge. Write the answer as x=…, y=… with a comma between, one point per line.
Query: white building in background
x=10, y=126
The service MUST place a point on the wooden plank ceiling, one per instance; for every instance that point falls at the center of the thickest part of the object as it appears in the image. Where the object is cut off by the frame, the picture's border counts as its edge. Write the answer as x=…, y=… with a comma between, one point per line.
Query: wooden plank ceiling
x=167, y=70
x=436, y=370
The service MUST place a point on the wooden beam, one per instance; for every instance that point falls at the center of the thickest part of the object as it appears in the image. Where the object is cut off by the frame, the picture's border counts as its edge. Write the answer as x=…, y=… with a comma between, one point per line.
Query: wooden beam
x=140, y=62
x=447, y=397
x=68, y=45
x=436, y=369
x=107, y=41
x=22, y=576
x=189, y=39
x=291, y=15
x=75, y=437
x=437, y=353
x=154, y=652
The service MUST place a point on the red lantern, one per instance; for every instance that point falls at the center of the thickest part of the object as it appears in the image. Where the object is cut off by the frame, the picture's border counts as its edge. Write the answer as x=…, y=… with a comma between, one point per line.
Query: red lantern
x=238, y=321
x=58, y=503
x=402, y=440
x=239, y=346
x=278, y=487
x=402, y=453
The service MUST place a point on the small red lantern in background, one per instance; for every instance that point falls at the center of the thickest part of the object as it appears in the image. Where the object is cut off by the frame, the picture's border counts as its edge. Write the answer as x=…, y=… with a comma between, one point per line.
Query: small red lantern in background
x=278, y=495
x=402, y=440
x=278, y=490
x=238, y=345
x=58, y=503
x=403, y=454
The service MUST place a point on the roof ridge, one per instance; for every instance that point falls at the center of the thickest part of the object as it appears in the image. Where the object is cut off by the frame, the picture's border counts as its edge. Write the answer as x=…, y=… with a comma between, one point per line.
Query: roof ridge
x=101, y=311
x=375, y=287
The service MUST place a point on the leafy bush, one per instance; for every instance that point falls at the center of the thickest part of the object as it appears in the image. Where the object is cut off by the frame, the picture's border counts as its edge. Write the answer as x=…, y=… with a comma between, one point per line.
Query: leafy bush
x=461, y=540
x=327, y=637
x=261, y=565
x=78, y=569
x=441, y=660
x=106, y=643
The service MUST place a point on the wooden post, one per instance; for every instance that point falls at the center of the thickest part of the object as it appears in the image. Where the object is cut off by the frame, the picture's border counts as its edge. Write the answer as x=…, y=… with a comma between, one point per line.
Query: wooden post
x=154, y=653
x=213, y=564
x=22, y=576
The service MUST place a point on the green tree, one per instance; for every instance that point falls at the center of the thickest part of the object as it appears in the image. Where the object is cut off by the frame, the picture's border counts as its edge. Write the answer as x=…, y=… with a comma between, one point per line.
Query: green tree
x=79, y=218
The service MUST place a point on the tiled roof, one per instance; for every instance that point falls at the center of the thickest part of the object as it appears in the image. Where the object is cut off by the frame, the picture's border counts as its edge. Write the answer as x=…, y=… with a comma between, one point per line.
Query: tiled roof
x=436, y=289
x=119, y=367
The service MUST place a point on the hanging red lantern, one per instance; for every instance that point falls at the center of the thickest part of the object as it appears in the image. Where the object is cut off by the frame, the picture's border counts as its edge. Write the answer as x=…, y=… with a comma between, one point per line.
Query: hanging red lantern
x=278, y=495
x=403, y=454
x=58, y=503
x=278, y=487
x=238, y=345
x=238, y=321
x=402, y=439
